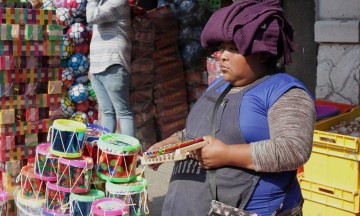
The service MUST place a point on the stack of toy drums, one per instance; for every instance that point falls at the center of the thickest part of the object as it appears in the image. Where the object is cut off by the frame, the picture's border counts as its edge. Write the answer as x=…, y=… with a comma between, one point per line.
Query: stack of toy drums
x=116, y=163
x=58, y=183
x=93, y=132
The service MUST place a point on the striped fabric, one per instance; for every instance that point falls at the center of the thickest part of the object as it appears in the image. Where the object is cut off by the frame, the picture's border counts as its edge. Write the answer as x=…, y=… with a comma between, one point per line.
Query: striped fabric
x=110, y=43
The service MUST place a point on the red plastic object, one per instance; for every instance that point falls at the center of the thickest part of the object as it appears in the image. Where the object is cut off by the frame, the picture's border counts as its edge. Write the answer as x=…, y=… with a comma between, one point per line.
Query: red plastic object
x=342, y=107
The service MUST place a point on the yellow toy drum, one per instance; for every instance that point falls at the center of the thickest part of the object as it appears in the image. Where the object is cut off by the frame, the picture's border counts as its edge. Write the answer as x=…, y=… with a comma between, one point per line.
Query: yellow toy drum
x=67, y=138
x=26, y=206
x=116, y=158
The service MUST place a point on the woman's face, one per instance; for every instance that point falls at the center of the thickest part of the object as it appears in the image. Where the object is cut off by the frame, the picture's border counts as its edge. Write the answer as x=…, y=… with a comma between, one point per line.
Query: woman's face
x=238, y=69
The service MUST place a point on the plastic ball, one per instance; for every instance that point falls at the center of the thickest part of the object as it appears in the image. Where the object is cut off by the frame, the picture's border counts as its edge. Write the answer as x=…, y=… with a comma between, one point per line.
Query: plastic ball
x=77, y=33
x=83, y=47
x=67, y=78
x=92, y=116
x=92, y=95
x=93, y=105
x=78, y=63
x=48, y=5
x=67, y=106
x=77, y=7
x=78, y=93
x=83, y=107
x=63, y=17
x=79, y=117
x=66, y=48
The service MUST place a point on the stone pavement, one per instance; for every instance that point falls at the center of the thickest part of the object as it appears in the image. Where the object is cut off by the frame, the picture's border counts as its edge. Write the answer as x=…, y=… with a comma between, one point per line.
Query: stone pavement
x=158, y=182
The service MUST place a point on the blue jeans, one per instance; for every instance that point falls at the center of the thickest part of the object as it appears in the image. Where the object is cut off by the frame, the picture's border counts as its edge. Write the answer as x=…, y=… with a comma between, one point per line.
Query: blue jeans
x=112, y=92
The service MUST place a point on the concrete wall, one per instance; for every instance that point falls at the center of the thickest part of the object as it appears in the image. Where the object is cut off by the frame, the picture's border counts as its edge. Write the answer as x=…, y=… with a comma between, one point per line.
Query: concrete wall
x=301, y=14
x=338, y=34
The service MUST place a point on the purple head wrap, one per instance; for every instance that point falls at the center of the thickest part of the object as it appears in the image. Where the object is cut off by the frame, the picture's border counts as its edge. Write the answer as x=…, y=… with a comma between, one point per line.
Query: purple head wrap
x=254, y=26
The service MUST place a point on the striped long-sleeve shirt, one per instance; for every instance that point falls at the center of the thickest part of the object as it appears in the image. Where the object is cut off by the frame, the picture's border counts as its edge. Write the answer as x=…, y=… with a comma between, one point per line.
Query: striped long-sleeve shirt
x=110, y=43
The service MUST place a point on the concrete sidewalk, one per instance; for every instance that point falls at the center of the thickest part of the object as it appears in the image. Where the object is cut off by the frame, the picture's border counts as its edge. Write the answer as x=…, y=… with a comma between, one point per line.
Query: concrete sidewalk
x=158, y=182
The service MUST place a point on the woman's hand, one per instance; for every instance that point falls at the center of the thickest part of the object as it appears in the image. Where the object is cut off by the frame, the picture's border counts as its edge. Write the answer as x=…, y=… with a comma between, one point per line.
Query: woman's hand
x=212, y=155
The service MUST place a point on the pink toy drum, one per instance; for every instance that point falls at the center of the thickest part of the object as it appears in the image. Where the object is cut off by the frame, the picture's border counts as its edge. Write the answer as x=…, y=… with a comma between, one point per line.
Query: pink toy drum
x=31, y=186
x=109, y=207
x=47, y=212
x=3, y=203
x=74, y=174
x=56, y=199
x=116, y=160
x=45, y=163
x=67, y=138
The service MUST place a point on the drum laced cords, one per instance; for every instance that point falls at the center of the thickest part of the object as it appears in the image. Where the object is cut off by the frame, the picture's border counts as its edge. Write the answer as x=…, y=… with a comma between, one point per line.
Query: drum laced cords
x=85, y=170
x=119, y=156
x=42, y=169
x=72, y=208
x=54, y=199
x=27, y=182
x=51, y=131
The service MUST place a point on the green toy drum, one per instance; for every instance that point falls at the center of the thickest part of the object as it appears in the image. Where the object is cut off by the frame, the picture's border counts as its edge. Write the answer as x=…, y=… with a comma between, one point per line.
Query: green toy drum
x=116, y=157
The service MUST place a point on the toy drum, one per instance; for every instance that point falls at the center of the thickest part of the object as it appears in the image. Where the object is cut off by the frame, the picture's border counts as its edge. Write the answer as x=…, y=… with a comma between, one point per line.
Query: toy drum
x=80, y=204
x=109, y=207
x=116, y=158
x=133, y=193
x=67, y=138
x=47, y=212
x=3, y=203
x=92, y=134
x=56, y=199
x=31, y=186
x=74, y=174
x=45, y=163
x=28, y=207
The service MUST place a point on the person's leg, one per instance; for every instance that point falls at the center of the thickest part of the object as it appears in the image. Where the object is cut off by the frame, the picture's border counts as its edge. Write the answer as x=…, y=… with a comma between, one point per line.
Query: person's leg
x=117, y=83
x=108, y=116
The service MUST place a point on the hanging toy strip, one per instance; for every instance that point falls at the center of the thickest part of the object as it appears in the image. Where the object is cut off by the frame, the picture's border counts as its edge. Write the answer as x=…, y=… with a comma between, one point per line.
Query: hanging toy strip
x=45, y=163
x=172, y=152
x=116, y=158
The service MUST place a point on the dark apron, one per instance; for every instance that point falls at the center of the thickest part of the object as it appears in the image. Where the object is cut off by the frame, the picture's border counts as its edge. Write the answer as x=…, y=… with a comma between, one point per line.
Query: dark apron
x=189, y=192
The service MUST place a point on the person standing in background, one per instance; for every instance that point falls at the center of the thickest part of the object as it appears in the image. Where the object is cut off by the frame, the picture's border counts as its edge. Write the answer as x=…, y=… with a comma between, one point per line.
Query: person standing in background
x=110, y=56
